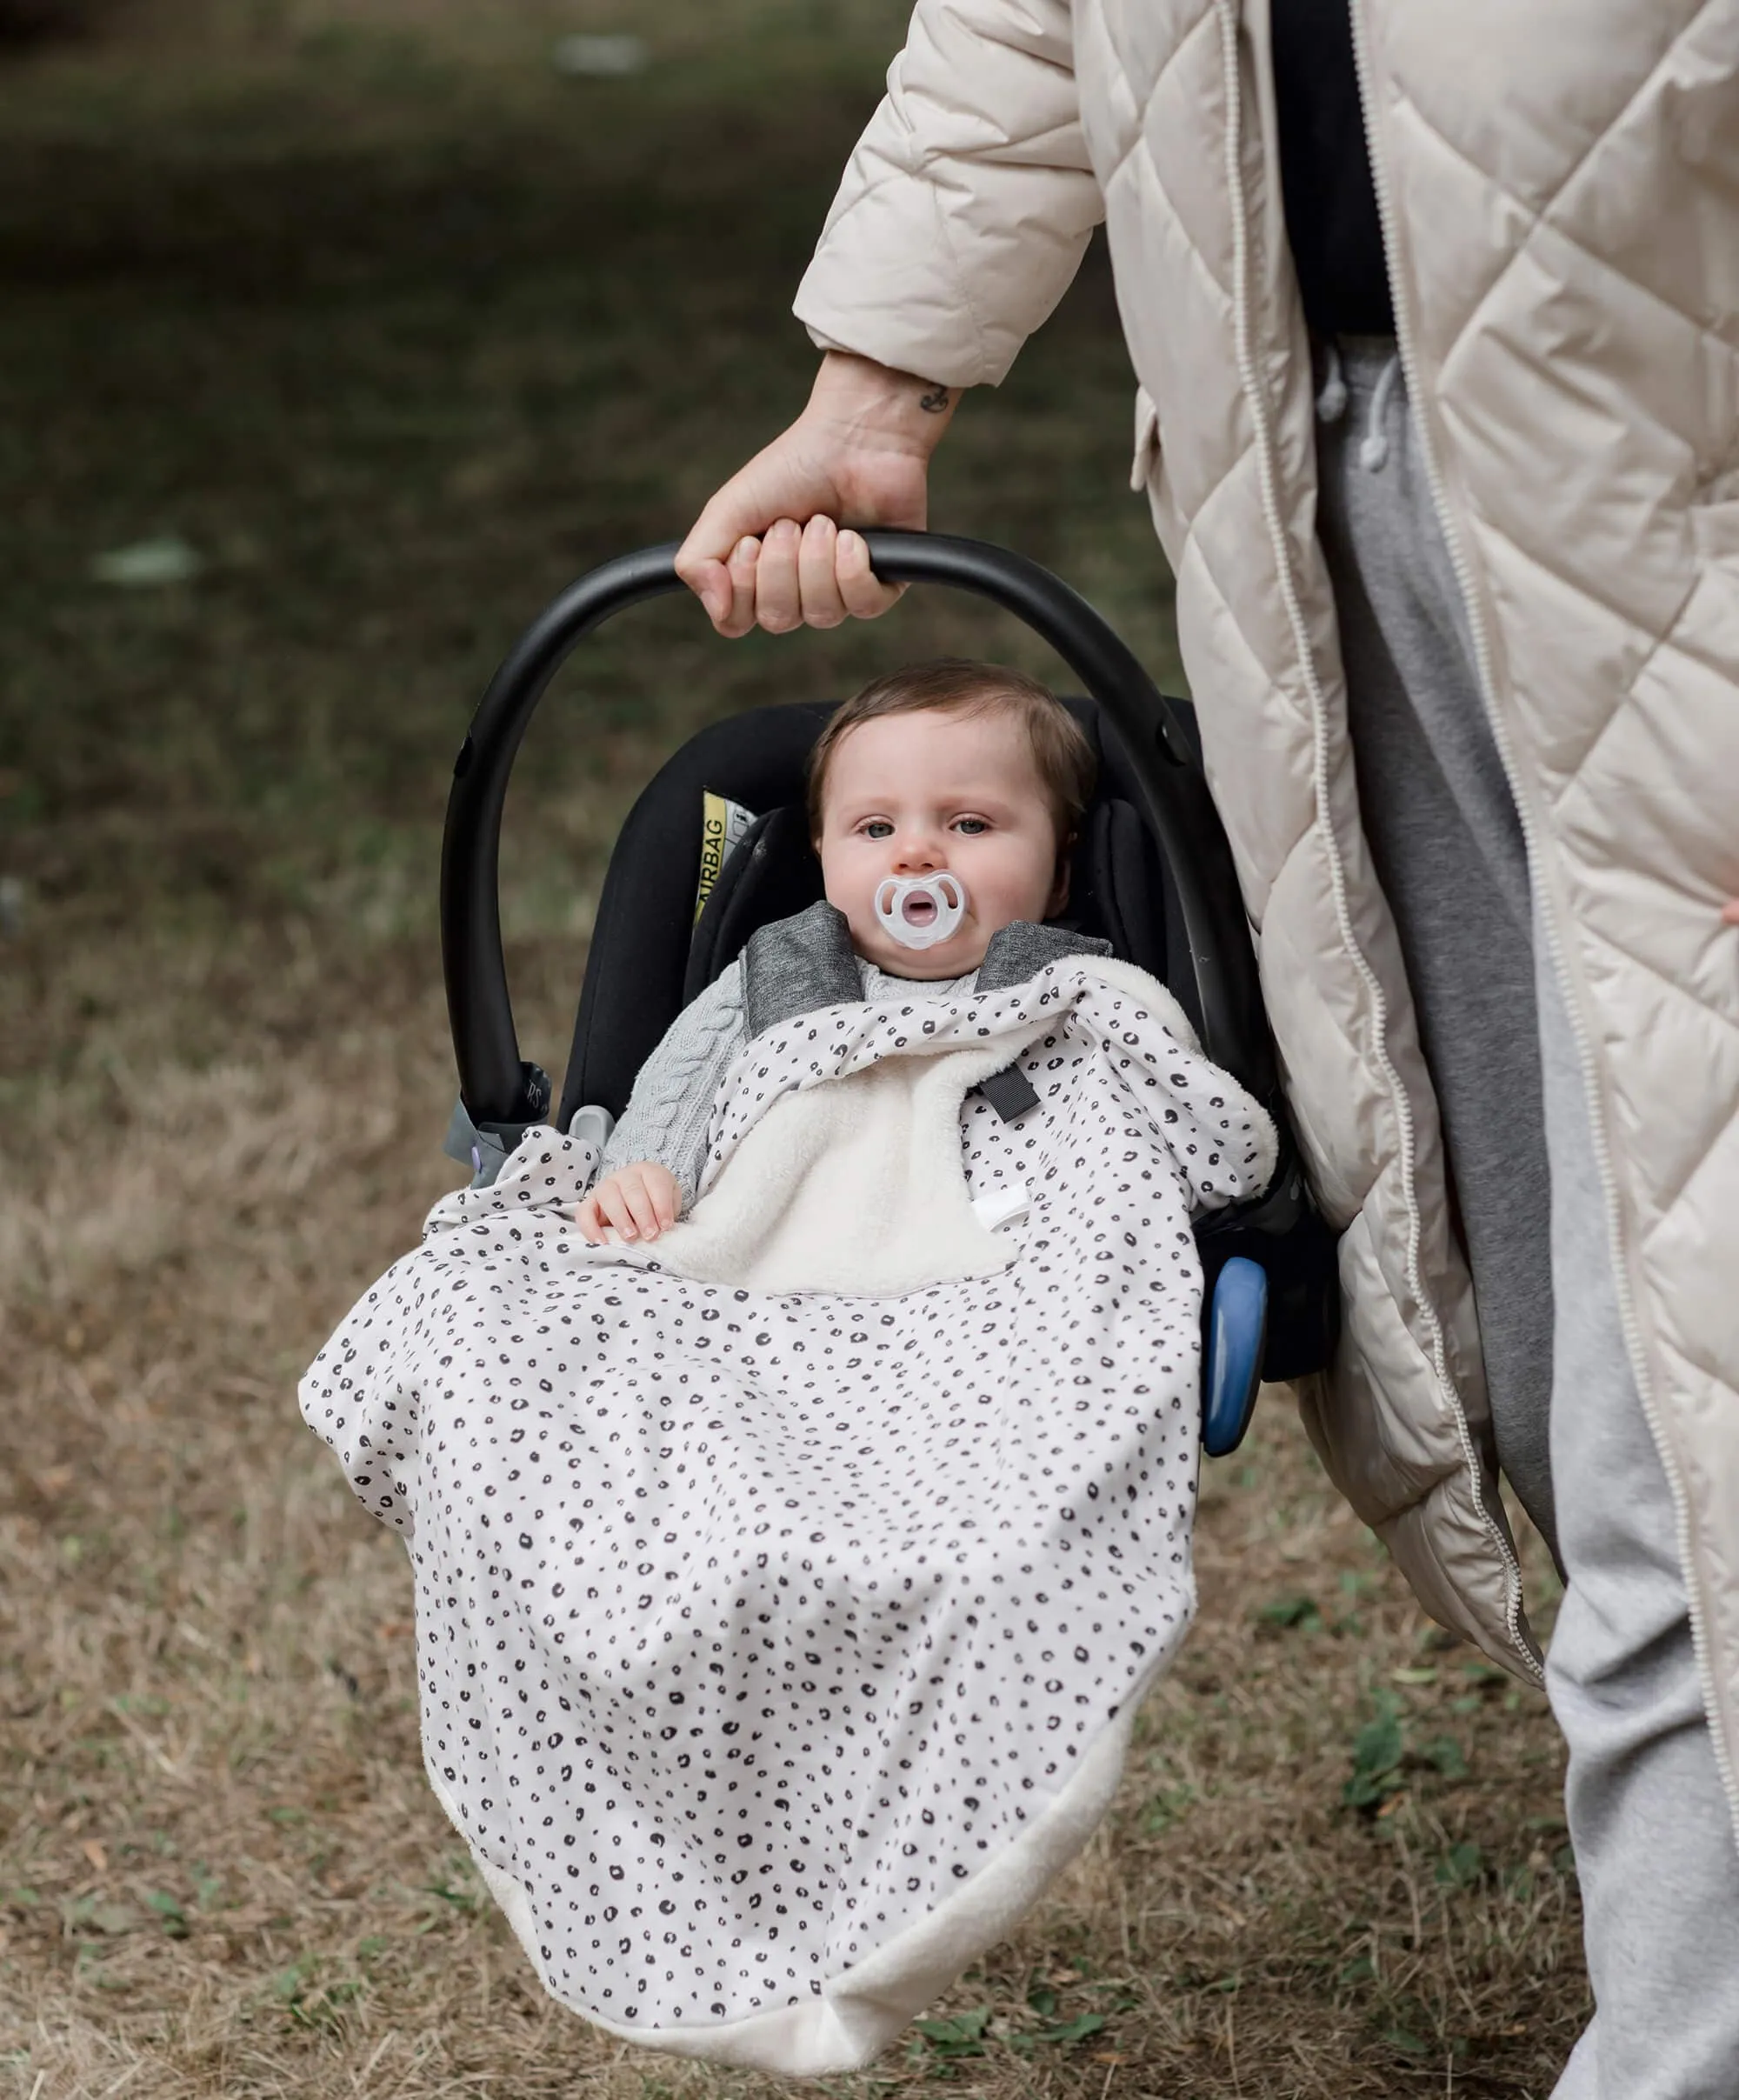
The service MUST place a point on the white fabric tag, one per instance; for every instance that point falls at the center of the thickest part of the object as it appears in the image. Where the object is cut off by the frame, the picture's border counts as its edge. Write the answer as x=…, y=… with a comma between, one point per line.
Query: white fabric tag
x=1002, y=1202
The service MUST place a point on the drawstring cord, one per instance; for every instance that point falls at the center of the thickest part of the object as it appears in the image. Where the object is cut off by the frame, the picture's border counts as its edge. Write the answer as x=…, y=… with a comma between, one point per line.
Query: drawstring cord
x=1373, y=451
x=1331, y=404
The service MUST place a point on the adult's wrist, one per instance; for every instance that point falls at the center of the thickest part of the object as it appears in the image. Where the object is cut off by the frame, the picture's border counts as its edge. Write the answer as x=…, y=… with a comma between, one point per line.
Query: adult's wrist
x=882, y=405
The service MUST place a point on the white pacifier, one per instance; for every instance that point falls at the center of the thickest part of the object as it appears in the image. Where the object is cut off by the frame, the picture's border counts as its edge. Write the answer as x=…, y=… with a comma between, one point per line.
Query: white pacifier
x=920, y=911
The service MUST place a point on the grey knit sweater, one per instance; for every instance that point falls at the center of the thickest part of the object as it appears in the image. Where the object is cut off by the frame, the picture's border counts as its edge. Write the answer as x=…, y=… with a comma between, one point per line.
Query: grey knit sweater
x=667, y=1115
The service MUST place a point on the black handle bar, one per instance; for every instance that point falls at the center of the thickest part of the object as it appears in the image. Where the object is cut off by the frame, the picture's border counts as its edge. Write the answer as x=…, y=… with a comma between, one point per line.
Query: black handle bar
x=1179, y=809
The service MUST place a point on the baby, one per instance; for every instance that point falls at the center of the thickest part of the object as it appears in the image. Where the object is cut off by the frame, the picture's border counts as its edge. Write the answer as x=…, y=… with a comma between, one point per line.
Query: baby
x=942, y=770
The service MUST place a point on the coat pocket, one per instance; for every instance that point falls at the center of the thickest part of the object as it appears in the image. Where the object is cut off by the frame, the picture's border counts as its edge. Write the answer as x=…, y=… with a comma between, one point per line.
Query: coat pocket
x=1145, y=463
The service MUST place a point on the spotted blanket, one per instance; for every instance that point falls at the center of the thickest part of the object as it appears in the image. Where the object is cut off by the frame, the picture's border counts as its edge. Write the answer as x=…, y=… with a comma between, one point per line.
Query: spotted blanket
x=779, y=1640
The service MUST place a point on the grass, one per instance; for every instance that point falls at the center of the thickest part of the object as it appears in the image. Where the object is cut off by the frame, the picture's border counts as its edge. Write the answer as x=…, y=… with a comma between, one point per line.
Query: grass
x=396, y=329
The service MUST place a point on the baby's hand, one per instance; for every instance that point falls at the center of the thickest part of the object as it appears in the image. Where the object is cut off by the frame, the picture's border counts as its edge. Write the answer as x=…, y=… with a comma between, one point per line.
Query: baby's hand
x=641, y=1202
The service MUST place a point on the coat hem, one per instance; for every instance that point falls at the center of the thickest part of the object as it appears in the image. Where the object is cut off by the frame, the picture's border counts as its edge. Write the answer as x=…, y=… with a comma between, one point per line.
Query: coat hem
x=1515, y=1623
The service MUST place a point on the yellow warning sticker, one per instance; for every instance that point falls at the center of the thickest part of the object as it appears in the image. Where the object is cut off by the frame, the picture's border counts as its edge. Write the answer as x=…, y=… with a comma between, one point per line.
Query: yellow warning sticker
x=723, y=824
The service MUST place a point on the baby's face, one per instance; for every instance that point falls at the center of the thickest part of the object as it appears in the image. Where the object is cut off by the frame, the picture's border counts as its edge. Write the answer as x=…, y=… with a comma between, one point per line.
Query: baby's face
x=910, y=795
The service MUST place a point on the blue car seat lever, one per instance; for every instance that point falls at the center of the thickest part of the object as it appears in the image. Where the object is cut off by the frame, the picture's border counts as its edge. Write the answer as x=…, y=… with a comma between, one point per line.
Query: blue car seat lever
x=1237, y=1331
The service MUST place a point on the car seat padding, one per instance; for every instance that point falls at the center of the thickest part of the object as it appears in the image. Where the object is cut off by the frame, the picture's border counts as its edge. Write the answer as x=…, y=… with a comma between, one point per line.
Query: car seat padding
x=772, y=874
x=638, y=960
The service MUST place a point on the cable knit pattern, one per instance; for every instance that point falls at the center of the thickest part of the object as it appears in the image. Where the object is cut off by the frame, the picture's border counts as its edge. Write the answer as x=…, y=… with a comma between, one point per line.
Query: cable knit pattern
x=668, y=1112
x=667, y=1116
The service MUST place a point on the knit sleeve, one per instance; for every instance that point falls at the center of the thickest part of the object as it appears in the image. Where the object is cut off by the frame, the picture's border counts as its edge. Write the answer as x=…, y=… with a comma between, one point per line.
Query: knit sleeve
x=671, y=1106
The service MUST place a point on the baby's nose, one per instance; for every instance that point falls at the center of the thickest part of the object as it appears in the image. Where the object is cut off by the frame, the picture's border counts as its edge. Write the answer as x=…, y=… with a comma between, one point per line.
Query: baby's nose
x=916, y=853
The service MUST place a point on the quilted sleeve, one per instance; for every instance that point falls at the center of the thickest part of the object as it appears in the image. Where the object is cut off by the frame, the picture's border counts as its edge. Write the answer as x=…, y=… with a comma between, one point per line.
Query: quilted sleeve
x=969, y=202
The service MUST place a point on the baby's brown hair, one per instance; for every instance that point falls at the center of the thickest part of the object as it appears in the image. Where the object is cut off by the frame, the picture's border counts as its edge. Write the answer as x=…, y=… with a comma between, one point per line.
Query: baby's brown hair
x=1067, y=767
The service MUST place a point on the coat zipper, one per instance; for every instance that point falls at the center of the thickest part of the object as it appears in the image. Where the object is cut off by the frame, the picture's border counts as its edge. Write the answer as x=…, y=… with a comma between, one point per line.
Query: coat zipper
x=1547, y=920
x=1227, y=14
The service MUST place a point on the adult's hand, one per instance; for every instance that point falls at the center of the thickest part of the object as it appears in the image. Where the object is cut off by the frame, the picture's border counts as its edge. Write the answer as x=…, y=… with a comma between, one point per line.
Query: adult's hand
x=775, y=546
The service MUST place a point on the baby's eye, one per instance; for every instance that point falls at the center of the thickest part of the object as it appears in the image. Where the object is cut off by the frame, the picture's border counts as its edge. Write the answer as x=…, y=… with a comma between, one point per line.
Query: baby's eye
x=878, y=827
x=971, y=825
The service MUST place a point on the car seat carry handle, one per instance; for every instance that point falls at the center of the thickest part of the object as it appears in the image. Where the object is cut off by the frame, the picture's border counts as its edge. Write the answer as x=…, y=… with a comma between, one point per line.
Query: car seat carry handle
x=495, y=1086
x=497, y=1090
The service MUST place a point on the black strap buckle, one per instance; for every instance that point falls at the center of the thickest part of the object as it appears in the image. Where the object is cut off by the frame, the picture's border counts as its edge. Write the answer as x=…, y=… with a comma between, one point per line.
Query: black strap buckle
x=1010, y=1092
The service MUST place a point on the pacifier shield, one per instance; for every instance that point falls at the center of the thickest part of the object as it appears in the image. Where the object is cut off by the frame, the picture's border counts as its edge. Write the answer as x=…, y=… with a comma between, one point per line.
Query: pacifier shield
x=920, y=911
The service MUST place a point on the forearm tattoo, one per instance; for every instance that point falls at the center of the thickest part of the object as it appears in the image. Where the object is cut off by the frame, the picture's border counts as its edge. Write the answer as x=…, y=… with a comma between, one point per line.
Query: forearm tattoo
x=934, y=401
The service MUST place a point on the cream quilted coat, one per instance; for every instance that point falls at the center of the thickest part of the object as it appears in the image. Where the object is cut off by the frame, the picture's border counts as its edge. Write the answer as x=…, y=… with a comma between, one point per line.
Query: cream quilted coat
x=1560, y=188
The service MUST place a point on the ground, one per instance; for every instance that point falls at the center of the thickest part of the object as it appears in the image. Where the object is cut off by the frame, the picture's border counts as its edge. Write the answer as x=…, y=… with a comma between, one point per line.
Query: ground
x=373, y=326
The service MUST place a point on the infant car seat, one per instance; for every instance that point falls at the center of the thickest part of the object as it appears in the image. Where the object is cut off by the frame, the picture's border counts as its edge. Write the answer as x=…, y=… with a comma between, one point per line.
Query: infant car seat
x=1152, y=873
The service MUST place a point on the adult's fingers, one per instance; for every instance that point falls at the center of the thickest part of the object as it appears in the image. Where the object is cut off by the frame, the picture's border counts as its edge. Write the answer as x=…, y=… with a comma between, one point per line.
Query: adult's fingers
x=817, y=585
x=705, y=559
x=812, y=576
x=741, y=574
x=778, y=597
x=862, y=595
x=586, y=1217
x=710, y=580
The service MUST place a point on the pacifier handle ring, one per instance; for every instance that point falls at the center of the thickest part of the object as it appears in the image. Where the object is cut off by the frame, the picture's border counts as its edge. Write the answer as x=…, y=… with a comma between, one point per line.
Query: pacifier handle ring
x=946, y=892
x=903, y=885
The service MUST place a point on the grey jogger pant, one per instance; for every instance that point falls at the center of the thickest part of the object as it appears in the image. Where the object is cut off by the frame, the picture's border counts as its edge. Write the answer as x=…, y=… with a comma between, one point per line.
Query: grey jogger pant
x=1648, y=1820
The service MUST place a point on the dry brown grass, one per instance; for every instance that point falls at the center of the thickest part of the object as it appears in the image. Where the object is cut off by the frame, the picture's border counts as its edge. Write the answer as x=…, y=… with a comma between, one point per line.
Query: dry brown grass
x=400, y=346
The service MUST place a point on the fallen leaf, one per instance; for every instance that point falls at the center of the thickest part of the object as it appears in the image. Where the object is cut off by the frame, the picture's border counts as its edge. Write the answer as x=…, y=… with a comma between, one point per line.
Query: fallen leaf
x=601, y=57
x=95, y=1853
x=148, y=564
